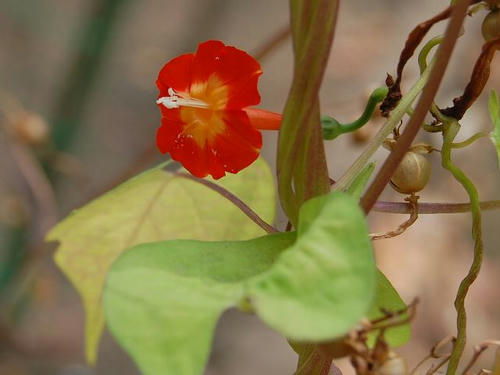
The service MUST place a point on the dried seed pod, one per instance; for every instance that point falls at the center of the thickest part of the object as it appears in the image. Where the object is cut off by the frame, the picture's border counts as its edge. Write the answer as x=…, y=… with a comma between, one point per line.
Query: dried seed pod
x=491, y=26
x=394, y=365
x=412, y=174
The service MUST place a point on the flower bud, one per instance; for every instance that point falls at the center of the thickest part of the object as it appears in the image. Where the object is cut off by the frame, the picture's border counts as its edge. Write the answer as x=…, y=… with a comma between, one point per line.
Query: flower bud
x=412, y=174
x=491, y=26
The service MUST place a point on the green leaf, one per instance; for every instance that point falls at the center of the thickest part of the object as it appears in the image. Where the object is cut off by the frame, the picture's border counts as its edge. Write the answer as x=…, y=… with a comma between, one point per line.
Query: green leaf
x=388, y=299
x=324, y=284
x=301, y=165
x=154, y=206
x=162, y=300
x=494, y=107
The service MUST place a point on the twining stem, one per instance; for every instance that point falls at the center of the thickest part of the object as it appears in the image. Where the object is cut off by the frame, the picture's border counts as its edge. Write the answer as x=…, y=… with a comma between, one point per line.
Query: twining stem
x=450, y=130
x=424, y=52
x=438, y=67
x=469, y=140
x=395, y=117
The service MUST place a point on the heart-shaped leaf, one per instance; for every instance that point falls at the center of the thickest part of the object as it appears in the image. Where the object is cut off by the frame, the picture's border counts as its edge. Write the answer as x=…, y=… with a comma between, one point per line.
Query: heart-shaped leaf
x=325, y=283
x=163, y=299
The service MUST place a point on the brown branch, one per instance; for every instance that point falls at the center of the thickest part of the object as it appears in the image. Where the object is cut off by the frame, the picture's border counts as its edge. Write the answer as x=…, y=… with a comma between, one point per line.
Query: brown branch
x=478, y=79
x=404, y=142
x=274, y=41
x=252, y=215
x=431, y=208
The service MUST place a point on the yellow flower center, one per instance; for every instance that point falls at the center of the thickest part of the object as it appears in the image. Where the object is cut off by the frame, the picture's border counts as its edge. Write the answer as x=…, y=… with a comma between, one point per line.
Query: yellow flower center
x=201, y=109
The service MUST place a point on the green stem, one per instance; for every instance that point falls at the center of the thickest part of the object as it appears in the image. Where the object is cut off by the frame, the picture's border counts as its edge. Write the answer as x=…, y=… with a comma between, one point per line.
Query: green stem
x=469, y=140
x=422, y=61
x=451, y=128
x=393, y=120
x=332, y=128
x=424, y=52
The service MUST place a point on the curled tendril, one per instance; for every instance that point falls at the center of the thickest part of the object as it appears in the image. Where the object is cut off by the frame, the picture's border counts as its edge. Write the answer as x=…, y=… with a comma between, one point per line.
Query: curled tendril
x=333, y=128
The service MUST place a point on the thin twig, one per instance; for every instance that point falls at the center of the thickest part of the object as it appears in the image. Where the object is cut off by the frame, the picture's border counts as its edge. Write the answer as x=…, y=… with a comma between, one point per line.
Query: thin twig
x=433, y=369
x=233, y=199
x=413, y=202
x=274, y=41
x=478, y=350
x=404, y=142
x=432, y=208
x=388, y=322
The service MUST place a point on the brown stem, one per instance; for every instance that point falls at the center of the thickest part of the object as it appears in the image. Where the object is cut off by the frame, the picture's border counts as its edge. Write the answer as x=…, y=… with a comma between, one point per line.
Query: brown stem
x=404, y=142
x=431, y=208
x=233, y=199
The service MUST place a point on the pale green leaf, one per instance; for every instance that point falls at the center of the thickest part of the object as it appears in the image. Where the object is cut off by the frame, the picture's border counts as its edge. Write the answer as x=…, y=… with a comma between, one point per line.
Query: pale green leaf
x=154, y=206
x=388, y=299
x=162, y=300
x=324, y=284
x=494, y=108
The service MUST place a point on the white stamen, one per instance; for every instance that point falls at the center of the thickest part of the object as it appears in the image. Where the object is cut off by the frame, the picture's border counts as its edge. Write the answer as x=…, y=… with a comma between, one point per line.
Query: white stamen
x=176, y=101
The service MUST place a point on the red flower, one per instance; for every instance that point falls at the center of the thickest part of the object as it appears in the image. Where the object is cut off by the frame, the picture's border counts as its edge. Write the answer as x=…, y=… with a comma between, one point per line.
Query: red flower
x=205, y=123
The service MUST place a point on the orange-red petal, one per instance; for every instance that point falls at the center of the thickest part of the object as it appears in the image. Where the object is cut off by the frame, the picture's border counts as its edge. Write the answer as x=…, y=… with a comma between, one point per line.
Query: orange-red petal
x=176, y=74
x=229, y=150
x=236, y=71
x=264, y=120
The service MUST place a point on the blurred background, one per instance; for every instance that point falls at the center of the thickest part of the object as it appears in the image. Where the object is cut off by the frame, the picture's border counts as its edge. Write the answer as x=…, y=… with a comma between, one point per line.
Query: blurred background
x=77, y=97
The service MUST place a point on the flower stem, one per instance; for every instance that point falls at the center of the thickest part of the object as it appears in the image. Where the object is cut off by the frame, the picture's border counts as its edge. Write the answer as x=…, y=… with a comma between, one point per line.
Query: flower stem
x=450, y=130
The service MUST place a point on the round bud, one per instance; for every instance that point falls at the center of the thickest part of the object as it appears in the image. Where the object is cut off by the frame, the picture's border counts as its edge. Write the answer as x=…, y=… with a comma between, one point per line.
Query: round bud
x=31, y=129
x=491, y=26
x=412, y=174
